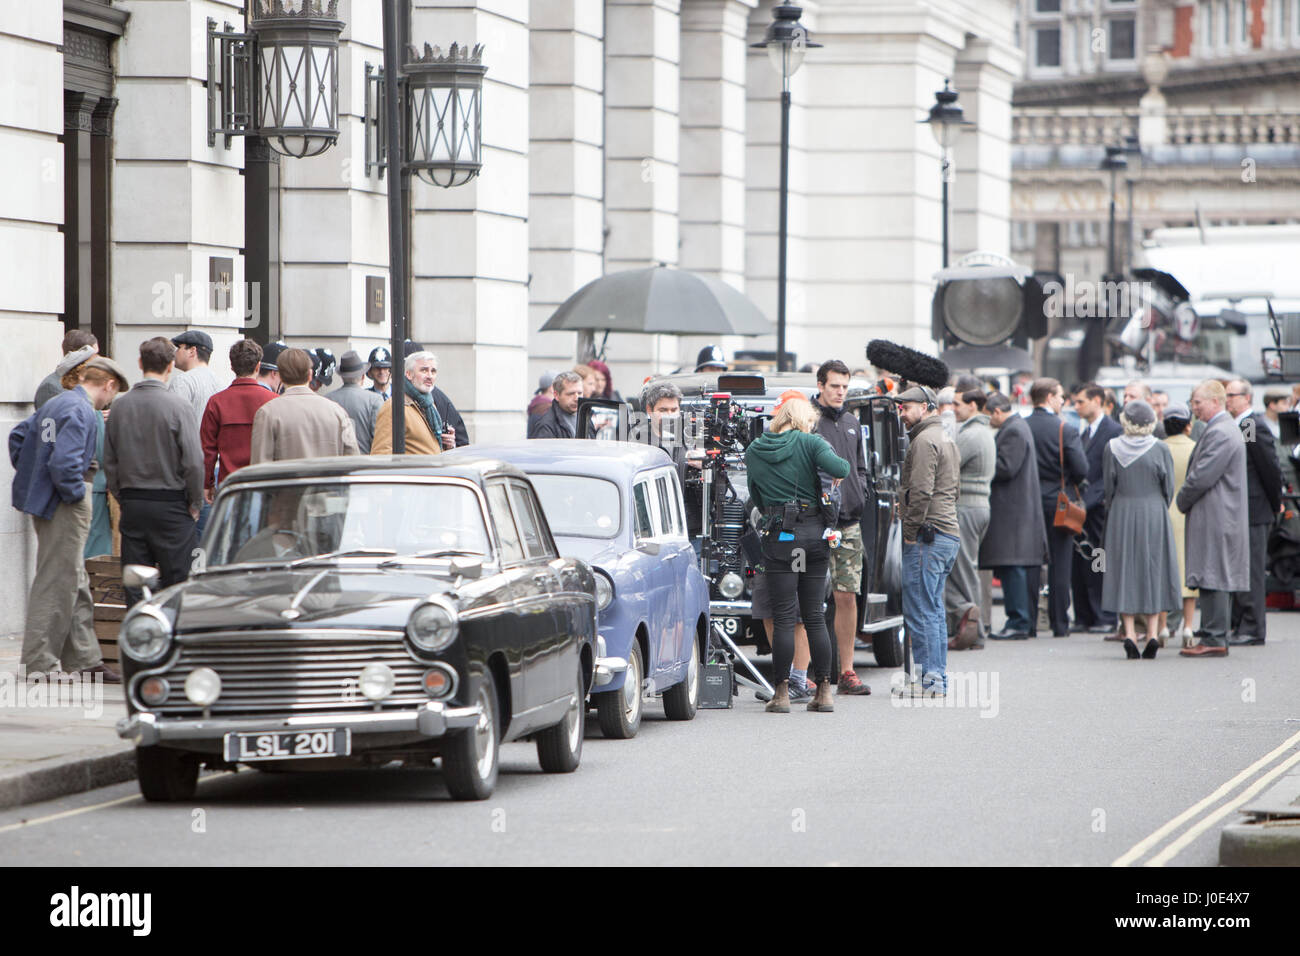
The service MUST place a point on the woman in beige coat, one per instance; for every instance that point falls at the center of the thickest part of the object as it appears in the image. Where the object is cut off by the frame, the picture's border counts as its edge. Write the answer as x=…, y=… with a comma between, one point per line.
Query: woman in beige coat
x=1177, y=422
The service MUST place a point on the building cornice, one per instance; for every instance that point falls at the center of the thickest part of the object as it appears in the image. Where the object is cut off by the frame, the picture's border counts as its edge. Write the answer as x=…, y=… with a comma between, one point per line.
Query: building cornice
x=96, y=16
x=1197, y=78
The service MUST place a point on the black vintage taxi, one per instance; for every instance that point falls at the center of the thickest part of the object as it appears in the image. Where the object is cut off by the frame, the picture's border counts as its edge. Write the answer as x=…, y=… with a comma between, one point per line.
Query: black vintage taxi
x=354, y=612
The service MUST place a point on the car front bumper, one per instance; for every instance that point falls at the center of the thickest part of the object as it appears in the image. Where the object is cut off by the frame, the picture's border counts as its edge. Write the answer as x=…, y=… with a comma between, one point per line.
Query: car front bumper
x=433, y=719
x=606, y=668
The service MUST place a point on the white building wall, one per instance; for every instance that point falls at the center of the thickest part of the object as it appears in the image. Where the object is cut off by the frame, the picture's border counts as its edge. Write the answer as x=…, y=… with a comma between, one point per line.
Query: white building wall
x=469, y=245
x=712, y=171
x=176, y=200
x=565, y=168
x=31, y=255
x=333, y=216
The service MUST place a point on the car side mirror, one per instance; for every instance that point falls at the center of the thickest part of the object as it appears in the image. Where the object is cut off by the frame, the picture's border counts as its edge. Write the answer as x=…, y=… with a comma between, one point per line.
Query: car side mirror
x=651, y=548
x=141, y=576
x=468, y=568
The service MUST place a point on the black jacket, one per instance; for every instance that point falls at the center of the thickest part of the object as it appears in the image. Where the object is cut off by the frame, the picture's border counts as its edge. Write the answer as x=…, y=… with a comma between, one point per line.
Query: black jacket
x=550, y=425
x=1263, y=472
x=1045, y=428
x=1095, y=451
x=450, y=416
x=843, y=432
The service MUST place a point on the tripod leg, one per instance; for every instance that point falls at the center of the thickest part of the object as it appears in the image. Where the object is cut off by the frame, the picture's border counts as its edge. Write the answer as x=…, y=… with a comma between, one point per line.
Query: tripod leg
x=756, y=680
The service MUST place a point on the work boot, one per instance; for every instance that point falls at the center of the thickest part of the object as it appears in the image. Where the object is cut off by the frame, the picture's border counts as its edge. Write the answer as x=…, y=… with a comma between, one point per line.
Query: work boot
x=822, y=701
x=780, y=702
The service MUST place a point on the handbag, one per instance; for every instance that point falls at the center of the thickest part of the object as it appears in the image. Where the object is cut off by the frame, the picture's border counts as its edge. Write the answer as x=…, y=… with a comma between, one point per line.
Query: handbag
x=1069, y=514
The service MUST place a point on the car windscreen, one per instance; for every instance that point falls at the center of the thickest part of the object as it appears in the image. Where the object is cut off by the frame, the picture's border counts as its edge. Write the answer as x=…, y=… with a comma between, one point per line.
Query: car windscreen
x=275, y=523
x=579, y=505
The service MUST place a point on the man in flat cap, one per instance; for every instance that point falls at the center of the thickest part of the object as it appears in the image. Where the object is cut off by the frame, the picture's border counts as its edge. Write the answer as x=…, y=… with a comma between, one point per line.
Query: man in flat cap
x=362, y=405
x=192, y=380
x=268, y=371
x=931, y=535
x=53, y=456
x=76, y=343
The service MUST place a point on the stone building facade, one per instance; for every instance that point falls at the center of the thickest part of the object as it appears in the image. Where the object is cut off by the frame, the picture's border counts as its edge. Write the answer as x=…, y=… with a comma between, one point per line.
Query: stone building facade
x=617, y=134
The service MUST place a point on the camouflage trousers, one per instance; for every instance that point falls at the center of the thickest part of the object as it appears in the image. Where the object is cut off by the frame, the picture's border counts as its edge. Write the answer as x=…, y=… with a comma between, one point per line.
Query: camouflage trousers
x=846, y=560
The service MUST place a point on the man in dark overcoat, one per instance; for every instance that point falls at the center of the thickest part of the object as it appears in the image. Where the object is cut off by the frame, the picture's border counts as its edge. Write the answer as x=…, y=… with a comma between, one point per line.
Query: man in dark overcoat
x=1015, y=545
x=1059, y=456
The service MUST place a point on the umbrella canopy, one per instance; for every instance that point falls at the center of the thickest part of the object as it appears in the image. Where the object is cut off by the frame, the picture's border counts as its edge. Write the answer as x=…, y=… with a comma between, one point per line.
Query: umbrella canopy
x=659, y=300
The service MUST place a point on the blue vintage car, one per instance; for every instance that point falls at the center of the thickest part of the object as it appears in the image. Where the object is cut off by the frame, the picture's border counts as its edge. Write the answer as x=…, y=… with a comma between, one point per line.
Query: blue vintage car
x=619, y=507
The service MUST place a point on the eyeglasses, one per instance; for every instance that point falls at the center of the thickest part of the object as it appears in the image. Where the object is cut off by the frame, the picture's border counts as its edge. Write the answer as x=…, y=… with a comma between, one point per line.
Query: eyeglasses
x=1235, y=394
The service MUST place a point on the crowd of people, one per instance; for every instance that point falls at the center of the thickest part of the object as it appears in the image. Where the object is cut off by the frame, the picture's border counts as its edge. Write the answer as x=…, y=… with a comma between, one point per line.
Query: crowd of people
x=1176, y=503
x=1137, y=511
x=153, y=465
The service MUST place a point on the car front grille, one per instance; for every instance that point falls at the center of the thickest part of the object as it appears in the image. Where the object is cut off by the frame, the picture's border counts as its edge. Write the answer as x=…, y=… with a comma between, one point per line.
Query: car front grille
x=314, y=672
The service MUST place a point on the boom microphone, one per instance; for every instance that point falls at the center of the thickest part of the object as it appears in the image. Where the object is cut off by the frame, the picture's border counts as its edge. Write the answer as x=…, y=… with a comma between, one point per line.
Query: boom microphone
x=907, y=363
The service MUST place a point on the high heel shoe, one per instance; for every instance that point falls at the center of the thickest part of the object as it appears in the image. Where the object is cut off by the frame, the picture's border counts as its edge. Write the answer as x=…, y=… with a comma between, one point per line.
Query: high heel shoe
x=1131, y=649
x=1149, y=652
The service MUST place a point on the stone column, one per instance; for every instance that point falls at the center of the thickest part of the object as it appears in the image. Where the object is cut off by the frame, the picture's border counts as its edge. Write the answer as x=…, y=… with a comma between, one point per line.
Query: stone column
x=469, y=245
x=642, y=41
x=762, y=187
x=178, y=203
x=712, y=171
x=980, y=192
x=31, y=254
x=566, y=178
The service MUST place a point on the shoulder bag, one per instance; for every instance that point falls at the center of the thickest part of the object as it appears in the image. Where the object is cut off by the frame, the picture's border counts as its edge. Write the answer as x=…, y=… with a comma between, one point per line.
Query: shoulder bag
x=1069, y=514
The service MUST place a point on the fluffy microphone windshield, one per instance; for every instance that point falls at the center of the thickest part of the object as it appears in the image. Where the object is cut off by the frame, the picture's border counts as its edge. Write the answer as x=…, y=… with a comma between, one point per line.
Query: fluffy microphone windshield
x=907, y=363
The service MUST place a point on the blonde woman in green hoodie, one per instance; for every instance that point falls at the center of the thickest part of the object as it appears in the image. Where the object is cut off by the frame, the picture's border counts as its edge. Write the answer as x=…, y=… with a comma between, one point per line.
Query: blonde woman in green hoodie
x=783, y=468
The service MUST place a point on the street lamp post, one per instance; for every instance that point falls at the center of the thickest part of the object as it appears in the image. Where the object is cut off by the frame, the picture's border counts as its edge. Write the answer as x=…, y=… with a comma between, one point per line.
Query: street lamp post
x=428, y=122
x=946, y=121
x=785, y=42
x=1114, y=162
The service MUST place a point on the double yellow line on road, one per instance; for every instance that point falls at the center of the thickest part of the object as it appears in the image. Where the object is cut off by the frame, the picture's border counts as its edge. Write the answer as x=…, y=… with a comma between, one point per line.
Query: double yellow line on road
x=1183, y=841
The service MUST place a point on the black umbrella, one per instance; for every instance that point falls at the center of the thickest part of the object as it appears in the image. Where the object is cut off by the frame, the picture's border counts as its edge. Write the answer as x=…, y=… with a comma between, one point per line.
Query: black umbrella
x=659, y=300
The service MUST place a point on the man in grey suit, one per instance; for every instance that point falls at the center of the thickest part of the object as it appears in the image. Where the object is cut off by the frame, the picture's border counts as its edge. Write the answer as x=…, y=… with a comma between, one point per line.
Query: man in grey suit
x=361, y=404
x=1218, y=535
x=1263, y=501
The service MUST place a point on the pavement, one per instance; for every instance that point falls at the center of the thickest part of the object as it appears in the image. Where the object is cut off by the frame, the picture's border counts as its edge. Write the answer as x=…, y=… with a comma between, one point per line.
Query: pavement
x=1053, y=752
x=57, y=741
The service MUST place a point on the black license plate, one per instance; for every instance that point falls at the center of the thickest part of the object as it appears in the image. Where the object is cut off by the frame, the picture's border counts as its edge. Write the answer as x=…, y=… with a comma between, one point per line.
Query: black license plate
x=291, y=745
x=733, y=627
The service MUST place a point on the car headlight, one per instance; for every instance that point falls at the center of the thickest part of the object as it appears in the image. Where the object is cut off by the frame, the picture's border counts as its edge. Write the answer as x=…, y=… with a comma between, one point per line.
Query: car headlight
x=433, y=625
x=604, y=591
x=731, y=585
x=146, y=634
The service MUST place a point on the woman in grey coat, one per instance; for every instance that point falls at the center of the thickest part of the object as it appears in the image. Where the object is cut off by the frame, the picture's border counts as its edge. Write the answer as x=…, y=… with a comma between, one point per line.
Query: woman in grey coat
x=1141, y=573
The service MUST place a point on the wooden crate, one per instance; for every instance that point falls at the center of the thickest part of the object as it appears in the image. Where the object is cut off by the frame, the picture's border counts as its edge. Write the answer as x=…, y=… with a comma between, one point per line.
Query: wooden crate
x=110, y=602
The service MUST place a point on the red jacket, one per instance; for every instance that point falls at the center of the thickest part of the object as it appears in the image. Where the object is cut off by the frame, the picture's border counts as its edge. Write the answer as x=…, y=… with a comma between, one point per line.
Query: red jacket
x=227, y=429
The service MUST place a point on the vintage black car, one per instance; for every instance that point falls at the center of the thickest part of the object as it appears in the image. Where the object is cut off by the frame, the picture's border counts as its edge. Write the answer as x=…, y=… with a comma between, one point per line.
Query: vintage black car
x=728, y=568
x=352, y=612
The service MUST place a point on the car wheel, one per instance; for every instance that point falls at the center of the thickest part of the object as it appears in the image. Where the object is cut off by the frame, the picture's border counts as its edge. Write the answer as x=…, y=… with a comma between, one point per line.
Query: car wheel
x=888, y=647
x=471, y=758
x=619, y=711
x=681, y=700
x=559, y=748
x=166, y=775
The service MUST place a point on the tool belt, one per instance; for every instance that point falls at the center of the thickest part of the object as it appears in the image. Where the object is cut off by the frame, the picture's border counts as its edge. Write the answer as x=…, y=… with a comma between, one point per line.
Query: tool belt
x=795, y=524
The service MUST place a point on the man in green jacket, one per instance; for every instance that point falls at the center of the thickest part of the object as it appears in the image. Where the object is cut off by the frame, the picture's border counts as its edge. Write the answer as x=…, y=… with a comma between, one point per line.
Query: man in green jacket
x=930, y=481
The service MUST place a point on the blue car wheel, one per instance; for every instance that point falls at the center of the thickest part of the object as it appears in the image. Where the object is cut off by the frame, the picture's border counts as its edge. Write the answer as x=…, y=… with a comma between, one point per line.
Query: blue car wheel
x=619, y=711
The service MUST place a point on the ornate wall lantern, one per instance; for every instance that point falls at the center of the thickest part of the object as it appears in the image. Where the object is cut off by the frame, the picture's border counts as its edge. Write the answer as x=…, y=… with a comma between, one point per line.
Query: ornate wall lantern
x=444, y=95
x=280, y=80
x=442, y=98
